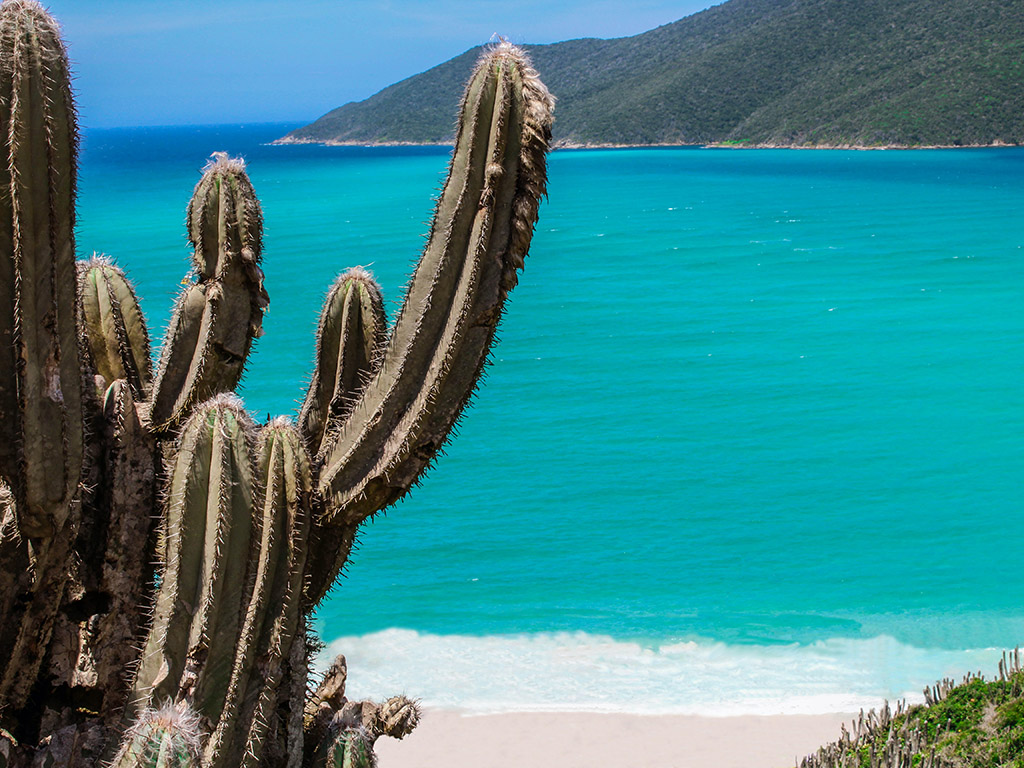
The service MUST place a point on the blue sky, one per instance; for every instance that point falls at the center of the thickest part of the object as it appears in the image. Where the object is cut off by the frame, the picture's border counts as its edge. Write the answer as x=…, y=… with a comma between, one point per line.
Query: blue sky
x=167, y=62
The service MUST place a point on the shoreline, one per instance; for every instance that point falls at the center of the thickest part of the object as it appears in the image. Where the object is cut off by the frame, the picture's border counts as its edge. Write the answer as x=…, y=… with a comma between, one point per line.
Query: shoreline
x=576, y=146
x=447, y=738
x=286, y=141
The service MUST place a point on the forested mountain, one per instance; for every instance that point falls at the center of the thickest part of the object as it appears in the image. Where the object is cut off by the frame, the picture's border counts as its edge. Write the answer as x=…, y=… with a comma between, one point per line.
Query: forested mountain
x=790, y=72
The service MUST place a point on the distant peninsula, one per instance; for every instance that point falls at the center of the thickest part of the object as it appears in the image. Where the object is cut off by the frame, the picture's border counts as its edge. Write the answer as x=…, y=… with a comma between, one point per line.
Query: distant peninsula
x=803, y=73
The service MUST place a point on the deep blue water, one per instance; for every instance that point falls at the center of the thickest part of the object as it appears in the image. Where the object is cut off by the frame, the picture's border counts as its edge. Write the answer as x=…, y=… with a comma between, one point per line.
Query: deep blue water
x=751, y=441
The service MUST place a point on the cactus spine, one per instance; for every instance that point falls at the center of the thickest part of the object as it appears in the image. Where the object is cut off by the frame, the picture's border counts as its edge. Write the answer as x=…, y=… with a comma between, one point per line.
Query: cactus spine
x=106, y=468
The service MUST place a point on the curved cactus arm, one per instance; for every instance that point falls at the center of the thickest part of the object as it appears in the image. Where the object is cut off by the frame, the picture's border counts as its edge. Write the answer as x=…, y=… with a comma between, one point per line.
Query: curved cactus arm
x=350, y=337
x=168, y=737
x=112, y=325
x=480, y=235
x=217, y=317
x=189, y=652
x=273, y=613
x=40, y=378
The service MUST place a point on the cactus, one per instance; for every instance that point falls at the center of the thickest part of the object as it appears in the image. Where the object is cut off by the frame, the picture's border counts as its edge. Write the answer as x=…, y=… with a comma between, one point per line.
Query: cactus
x=164, y=738
x=218, y=316
x=342, y=733
x=349, y=748
x=352, y=332
x=160, y=552
x=115, y=327
x=41, y=417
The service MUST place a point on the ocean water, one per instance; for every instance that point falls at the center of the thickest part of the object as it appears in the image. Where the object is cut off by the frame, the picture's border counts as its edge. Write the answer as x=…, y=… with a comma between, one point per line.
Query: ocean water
x=752, y=440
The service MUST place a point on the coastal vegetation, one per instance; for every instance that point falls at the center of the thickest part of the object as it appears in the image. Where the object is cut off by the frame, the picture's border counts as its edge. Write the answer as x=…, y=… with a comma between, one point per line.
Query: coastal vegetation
x=754, y=72
x=160, y=552
x=973, y=724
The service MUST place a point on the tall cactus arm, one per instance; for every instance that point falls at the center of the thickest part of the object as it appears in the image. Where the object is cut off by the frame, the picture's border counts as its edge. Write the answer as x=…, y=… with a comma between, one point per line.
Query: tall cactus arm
x=40, y=377
x=273, y=614
x=480, y=235
x=112, y=325
x=218, y=316
x=208, y=517
x=41, y=419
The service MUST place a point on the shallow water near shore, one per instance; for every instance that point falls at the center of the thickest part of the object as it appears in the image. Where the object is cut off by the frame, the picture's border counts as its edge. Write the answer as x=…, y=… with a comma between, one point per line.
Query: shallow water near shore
x=751, y=439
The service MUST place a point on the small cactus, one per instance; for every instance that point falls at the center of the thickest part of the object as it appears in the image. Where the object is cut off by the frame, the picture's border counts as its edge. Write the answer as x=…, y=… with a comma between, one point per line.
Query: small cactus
x=168, y=737
x=159, y=551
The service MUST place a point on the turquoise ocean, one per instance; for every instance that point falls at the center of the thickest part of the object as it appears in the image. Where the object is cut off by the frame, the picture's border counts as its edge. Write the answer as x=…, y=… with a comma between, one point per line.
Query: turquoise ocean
x=752, y=440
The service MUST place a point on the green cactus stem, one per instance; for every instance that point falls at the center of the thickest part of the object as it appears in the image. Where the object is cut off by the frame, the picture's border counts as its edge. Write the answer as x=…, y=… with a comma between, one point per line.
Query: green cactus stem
x=189, y=653
x=40, y=374
x=351, y=749
x=217, y=317
x=41, y=418
x=41, y=421
x=273, y=611
x=168, y=737
x=353, y=328
x=113, y=325
x=480, y=235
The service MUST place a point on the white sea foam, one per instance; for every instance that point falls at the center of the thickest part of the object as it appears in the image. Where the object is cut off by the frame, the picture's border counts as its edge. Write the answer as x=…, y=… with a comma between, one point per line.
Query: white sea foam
x=582, y=672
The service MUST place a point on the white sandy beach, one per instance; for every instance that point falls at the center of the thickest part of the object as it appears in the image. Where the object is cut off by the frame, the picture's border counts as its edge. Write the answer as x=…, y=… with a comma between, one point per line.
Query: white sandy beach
x=450, y=739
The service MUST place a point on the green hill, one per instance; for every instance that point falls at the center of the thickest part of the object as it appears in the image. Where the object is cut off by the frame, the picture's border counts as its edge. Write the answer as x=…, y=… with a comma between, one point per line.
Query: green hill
x=791, y=72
